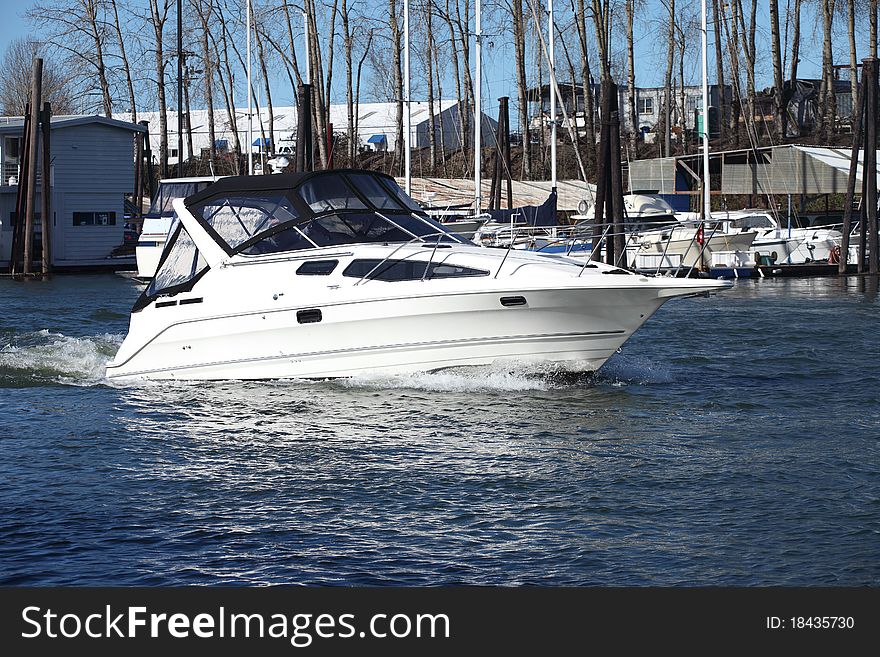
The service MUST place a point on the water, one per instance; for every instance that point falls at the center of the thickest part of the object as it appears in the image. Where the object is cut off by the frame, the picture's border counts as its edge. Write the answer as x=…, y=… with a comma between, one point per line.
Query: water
x=734, y=441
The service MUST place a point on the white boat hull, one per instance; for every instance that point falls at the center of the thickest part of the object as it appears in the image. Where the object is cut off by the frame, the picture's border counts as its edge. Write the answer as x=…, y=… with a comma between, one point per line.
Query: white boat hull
x=424, y=326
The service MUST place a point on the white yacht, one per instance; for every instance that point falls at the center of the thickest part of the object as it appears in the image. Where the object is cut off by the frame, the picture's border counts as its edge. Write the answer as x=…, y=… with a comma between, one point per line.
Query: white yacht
x=157, y=220
x=336, y=273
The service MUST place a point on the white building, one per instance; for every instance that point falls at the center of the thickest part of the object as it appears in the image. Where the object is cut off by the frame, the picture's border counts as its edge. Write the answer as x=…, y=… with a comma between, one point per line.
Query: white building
x=376, y=127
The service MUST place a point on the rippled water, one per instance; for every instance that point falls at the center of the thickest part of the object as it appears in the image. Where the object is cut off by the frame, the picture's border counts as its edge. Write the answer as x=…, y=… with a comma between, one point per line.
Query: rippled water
x=734, y=441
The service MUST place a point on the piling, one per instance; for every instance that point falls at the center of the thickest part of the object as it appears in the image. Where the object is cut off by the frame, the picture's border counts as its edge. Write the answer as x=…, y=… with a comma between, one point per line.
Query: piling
x=869, y=170
x=17, y=255
x=31, y=146
x=137, y=197
x=46, y=191
x=502, y=158
x=304, y=160
x=602, y=168
x=148, y=160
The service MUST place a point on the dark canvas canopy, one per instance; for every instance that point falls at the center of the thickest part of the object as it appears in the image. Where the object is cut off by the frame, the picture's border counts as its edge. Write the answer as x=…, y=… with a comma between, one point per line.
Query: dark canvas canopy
x=534, y=215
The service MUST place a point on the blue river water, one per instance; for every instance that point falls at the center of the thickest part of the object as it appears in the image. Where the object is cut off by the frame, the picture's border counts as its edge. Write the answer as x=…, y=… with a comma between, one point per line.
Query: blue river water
x=733, y=441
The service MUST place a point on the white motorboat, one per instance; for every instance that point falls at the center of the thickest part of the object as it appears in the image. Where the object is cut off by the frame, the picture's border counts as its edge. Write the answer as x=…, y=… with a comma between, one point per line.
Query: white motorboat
x=157, y=220
x=778, y=244
x=337, y=273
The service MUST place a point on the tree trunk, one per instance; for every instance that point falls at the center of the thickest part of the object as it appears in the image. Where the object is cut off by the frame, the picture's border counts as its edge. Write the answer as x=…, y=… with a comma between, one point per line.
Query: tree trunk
x=631, y=77
x=795, y=54
x=158, y=21
x=94, y=22
x=347, y=42
x=719, y=70
x=853, y=57
x=429, y=75
x=586, y=82
x=397, y=79
x=667, y=82
x=125, y=66
x=828, y=103
x=522, y=90
x=777, y=67
x=204, y=12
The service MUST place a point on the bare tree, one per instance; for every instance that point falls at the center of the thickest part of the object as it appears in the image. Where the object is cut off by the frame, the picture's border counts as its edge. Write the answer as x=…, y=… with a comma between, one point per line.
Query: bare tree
x=631, y=74
x=159, y=14
x=15, y=83
x=123, y=55
x=522, y=91
x=719, y=68
x=827, y=101
x=79, y=28
x=777, y=66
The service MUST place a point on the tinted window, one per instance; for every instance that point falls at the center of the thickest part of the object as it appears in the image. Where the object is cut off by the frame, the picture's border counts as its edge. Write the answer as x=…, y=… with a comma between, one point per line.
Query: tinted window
x=401, y=195
x=328, y=193
x=407, y=270
x=317, y=267
x=376, y=194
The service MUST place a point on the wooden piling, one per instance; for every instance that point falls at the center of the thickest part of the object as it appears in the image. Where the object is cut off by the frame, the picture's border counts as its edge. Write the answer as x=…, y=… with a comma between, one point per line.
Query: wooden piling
x=31, y=189
x=304, y=160
x=17, y=253
x=46, y=218
x=616, y=185
x=149, y=173
x=602, y=169
x=137, y=196
x=869, y=170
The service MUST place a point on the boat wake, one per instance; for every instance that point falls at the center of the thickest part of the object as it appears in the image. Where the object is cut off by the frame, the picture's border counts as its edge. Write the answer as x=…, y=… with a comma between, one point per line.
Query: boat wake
x=41, y=357
x=501, y=376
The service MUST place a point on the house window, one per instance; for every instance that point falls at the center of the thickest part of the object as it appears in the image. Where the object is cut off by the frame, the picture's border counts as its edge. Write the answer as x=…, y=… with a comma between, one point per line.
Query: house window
x=646, y=105
x=94, y=218
x=172, y=152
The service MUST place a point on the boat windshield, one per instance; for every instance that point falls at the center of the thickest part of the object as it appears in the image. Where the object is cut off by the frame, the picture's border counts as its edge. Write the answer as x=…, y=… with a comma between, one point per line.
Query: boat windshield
x=168, y=191
x=752, y=221
x=305, y=211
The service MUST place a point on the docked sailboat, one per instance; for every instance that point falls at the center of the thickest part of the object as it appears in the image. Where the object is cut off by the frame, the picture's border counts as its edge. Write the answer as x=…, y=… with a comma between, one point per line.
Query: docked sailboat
x=337, y=273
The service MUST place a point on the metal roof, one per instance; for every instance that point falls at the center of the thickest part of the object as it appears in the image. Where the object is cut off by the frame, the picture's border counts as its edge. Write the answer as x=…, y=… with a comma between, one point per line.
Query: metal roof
x=787, y=169
x=15, y=124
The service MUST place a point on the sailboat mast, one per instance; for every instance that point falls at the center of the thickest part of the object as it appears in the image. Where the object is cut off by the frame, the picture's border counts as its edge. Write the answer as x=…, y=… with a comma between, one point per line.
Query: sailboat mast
x=705, y=128
x=478, y=34
x=407, y=116
x=250, y=121
x=552, y=101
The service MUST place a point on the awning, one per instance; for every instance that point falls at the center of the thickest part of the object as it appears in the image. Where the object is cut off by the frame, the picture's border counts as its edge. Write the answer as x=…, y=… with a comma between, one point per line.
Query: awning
x=260, y=141
x=377, y=139
x=221, y=143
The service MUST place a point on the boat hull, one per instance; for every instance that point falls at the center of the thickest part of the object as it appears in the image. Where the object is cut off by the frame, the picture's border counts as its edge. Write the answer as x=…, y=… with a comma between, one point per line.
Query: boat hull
x=574, y=329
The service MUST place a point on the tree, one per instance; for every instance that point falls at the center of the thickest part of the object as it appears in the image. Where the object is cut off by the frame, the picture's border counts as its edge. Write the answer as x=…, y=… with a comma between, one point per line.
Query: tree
x=15, y=84
x=78, y=28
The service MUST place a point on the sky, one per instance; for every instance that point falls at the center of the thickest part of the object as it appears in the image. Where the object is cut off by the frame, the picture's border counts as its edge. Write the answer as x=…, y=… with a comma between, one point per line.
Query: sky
x=498, y=76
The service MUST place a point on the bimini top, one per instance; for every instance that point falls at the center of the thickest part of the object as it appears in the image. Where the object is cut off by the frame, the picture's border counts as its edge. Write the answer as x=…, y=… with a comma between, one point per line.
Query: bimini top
x=256, y=215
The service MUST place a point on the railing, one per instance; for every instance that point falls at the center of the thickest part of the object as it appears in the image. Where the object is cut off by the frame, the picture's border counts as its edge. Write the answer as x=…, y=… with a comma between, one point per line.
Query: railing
x=420, y=238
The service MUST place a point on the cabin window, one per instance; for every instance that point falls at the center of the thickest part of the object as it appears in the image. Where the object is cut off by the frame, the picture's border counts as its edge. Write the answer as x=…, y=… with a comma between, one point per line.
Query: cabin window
x=407, y=270
x=756, y=221
x=94, y=218
x=328, y=193
x=646, y=105
x=237, y=220
x=317, y=267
